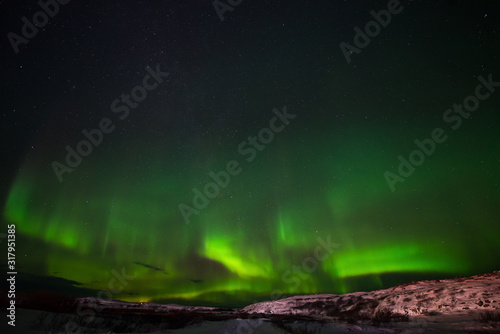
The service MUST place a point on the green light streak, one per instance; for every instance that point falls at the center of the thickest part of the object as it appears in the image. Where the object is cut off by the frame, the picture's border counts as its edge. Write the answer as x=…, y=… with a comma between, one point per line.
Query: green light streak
x=253, y=233
x=392, y=259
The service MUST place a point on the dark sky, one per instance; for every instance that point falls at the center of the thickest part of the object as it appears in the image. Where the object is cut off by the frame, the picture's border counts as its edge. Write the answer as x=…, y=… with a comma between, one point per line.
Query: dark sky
x=217, y=161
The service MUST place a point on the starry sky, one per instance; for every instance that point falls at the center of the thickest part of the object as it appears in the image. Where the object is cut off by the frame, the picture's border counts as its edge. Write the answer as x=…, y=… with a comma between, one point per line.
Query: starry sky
x=218, y=154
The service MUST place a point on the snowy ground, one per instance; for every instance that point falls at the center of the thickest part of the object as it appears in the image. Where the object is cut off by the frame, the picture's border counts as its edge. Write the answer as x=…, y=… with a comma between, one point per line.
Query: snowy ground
x=459, y=305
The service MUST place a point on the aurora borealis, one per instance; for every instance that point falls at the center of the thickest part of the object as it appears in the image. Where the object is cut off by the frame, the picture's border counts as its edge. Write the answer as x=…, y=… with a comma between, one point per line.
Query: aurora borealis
x=318, y=182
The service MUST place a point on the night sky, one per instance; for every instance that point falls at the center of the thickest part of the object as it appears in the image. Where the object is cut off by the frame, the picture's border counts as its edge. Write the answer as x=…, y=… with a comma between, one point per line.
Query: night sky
x=220, y=162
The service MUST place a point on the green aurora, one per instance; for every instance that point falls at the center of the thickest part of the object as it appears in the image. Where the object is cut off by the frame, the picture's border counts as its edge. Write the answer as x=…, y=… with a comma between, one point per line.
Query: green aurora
x=246, y=242
x=319, y=181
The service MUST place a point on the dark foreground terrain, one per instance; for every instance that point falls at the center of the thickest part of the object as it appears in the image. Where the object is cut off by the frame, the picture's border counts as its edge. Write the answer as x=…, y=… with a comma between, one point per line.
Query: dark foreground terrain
x=458, y=305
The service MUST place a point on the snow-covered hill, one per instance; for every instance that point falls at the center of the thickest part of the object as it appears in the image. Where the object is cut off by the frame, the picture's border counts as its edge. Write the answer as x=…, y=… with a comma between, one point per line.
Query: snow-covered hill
x=457, y=305
x=457, y=296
